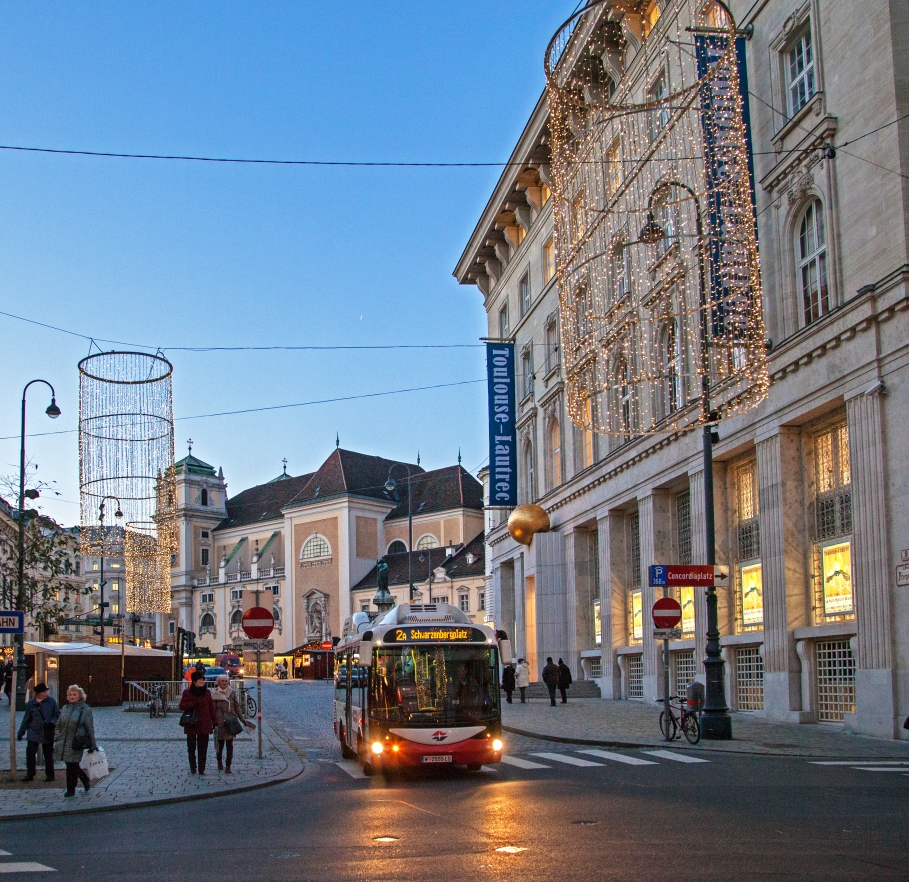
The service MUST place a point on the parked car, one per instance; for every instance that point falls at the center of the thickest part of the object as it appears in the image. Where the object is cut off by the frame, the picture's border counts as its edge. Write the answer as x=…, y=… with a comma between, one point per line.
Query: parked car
x=212, y=672
x=231, y=662
x=358, y=676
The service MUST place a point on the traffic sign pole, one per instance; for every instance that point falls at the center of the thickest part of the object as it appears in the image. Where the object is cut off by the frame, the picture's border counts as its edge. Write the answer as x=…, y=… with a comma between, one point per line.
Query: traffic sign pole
x=259, y=694
x=666, y=614
x=258, y=623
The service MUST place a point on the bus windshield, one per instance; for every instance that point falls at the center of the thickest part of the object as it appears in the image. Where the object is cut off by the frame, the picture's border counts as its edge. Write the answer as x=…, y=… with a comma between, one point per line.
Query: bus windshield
x=431, y=685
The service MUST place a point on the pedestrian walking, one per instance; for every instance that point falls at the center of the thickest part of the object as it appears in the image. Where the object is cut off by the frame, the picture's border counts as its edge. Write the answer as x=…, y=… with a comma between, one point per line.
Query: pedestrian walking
x=551, y=679
x=508, y=681
x=564, y=680
x=39, y=723
x=229, y=720
x=75, y=734
x=522, y=678
x=198, y=721
x=8, y=680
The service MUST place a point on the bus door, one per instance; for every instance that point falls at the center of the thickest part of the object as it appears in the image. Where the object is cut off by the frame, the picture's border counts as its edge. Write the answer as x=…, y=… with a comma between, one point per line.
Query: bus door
x=348, y=715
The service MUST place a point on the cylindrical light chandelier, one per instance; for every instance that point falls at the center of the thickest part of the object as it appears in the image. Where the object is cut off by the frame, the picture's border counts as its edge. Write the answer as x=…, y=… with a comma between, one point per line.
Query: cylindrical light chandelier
x=126, y=451
x=655, y=231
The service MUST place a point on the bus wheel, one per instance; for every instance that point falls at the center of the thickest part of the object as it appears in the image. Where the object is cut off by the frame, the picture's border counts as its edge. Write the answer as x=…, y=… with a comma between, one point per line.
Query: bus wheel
x=474, y=767
x=346, y=752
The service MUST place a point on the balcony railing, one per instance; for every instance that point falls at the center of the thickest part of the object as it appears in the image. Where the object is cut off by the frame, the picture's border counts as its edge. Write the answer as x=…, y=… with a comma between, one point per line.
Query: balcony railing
x=232, y=577
x=245, y=576
x=271, y=573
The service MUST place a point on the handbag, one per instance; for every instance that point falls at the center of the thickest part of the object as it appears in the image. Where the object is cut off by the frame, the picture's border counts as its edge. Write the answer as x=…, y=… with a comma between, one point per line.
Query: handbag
x=233, y=725
x=189, y=718
x=80, y=742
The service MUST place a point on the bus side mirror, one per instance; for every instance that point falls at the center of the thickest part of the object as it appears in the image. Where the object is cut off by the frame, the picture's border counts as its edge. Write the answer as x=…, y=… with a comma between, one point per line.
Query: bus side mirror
x=366, y=652
x=505, y=651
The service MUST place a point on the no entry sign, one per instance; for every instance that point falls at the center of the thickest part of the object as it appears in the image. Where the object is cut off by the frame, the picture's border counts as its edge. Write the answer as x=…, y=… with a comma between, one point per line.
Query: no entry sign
x=667, y=612
x=258, y=622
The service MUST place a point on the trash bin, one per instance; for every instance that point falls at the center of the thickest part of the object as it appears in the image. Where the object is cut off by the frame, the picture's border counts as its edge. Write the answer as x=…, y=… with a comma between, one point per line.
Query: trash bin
x=694, y=696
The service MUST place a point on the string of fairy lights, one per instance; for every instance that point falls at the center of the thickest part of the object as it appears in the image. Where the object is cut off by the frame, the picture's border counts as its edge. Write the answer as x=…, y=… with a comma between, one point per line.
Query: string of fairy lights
x=655, y=233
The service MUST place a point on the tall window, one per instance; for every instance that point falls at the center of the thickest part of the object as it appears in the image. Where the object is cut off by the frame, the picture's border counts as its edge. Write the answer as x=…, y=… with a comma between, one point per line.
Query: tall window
x=504, y=329
x=549, y=266
x=613, y=173
x=552, y=346
x=578, y=218
x=813, y=263
x=659, y=116
x=545, y=194
x=800, y=73
x=585, y=439
x=204, y=499
x=651, y=17
x=635, y=594
x=528, y=472
x=527, y=371
x=315, y=547
x=621, y=270
x=624, y=393
x=525, y=293
x=555, y=454
x=205, y=558
x=583, y=308
x=749, y=573
x=683, y=526
x=672, y=369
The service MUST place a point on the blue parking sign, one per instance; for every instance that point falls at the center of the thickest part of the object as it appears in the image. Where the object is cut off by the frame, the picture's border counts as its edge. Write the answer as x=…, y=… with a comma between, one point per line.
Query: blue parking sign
x=12, y=622
x=657, y=575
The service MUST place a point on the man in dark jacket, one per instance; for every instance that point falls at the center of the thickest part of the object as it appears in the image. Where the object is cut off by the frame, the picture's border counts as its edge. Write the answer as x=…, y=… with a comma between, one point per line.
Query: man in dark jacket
x=39, y=722
x=508, y=681
x=8, y=680
x=564, y=680
x=551, y=679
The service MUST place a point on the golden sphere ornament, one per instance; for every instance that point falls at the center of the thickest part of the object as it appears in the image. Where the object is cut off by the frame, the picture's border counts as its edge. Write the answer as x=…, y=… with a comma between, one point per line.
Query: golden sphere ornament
x=526, y=520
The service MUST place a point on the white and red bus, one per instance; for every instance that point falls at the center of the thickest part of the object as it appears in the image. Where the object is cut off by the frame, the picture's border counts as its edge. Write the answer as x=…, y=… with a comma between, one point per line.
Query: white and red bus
x=419, y=686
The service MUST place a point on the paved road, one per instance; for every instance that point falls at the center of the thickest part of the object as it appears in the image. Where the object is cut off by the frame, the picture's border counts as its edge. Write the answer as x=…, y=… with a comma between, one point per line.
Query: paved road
x=576, y=814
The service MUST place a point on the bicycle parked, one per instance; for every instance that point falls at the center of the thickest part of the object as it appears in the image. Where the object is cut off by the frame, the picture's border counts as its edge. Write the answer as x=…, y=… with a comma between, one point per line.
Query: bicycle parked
x=157, y=707
x=683, y=717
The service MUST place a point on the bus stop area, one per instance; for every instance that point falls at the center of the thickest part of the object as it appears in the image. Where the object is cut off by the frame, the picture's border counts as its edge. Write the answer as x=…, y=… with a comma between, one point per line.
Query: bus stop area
x=149, y=766
x=596, y=721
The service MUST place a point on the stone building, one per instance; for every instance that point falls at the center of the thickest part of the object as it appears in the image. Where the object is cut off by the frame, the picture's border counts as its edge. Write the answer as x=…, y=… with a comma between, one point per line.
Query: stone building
x=810, y=487
x=305, y=546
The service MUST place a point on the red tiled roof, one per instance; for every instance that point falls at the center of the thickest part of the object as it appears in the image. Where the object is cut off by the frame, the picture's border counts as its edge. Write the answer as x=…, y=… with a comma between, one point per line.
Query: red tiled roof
x=261, y=503
x=439, y=490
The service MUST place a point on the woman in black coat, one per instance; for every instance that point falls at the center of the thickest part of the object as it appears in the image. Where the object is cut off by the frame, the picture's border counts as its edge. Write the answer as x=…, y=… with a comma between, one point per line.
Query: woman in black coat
x=197, y=698
x=508, y=681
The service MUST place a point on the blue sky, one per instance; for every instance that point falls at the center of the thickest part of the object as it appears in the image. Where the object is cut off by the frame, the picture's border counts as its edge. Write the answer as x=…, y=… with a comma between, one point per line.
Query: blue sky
x=170, y=254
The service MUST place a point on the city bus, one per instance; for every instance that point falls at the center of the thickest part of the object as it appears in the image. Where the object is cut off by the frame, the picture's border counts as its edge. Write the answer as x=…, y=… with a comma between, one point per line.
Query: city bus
x=419, y=685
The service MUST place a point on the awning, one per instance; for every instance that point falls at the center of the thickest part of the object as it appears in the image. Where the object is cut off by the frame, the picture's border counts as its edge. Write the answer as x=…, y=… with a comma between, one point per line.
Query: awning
x=59, y=648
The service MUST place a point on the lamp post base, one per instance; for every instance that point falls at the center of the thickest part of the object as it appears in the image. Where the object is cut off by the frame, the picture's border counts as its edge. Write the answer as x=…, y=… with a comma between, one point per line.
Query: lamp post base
x=716, y=726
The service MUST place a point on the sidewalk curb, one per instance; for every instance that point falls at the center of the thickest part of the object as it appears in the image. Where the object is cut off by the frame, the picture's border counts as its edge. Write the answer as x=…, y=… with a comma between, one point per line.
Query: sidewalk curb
x=587, y=742
x=295, y=768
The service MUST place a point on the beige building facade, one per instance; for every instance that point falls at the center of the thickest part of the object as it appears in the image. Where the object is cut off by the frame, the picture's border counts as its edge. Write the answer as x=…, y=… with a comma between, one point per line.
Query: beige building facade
x=811, y=491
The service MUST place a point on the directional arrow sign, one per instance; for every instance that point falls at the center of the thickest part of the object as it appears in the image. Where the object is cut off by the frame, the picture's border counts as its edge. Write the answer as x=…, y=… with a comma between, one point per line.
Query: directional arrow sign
x=671, y=576
x=258, y=622
x=666, y=612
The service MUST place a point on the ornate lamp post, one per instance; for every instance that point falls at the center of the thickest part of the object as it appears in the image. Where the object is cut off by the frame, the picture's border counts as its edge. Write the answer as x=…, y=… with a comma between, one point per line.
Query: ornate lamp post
x=392, y=487
x=21, y=601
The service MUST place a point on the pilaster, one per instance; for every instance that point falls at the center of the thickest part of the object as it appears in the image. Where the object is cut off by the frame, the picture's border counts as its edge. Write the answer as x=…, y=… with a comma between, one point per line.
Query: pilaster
x=613, y=599
x=654, y=511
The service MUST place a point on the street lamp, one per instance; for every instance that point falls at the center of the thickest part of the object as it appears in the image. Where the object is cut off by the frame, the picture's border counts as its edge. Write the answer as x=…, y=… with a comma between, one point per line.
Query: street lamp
x=428, y=573
x=53, y=412
x=716, y=724
x=101, y=582
x=392, y=487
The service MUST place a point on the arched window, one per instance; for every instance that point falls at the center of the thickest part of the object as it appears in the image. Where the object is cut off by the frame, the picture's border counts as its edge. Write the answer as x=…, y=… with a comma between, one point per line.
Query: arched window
x=204, y=499
x=207, y=622
x=397, y=547
x=555, y=454
x=276, y=613
x=315, y=547
x=529, y=492
x=813, y=263
x=236, y=617
x=427, y=541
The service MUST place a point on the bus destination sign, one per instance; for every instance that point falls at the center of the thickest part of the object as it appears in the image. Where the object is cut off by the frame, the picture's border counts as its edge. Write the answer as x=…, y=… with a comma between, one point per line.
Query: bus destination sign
x=434, y=634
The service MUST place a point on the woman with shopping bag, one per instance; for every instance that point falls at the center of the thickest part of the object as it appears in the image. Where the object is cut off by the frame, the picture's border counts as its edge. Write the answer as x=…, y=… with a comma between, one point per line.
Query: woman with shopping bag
x=197, y=720
x=75, y=734
x=229, y=720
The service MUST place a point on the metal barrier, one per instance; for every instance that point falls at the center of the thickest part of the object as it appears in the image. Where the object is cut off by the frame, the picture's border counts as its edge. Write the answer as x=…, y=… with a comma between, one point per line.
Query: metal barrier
x=140, y=693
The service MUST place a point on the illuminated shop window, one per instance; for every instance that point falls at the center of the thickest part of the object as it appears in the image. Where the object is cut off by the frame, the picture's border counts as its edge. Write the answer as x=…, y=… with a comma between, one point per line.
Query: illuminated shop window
x=751, y=588
x=836, y=567
x=597, y=625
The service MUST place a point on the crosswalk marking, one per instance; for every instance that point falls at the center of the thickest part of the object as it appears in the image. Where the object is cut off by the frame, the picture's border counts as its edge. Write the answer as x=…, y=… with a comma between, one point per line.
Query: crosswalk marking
x=857, y=762
x=880, y=768
x=26, y=867
x=620, y=757
x=566, y=758
x=5, y=853
x=351, y=768
x=523, y=763
x=676, y=757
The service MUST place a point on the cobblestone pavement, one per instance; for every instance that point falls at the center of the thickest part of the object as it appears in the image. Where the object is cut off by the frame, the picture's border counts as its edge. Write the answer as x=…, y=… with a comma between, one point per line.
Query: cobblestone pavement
x=631, y=723
x=148, y=765
x=301, y=712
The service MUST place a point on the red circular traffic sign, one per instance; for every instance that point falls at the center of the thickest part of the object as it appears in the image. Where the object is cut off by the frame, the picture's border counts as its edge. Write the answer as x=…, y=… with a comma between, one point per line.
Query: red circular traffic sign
x=667, y=612
x=258, y=622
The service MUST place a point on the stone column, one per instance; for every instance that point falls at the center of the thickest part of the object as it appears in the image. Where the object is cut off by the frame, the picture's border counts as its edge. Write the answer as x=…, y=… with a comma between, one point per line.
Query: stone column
x=784, y=558
x=654, y=511
x=504, y=604
x=551, y=595
x=613, y=599
x=875, y=709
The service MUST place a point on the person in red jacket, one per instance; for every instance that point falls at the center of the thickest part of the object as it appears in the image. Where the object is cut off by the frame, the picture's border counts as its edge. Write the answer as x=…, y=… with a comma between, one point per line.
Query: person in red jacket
x=197, y=699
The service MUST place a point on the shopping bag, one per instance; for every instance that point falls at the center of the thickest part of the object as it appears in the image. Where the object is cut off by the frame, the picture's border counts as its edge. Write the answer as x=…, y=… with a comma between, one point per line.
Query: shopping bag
x=94, y=764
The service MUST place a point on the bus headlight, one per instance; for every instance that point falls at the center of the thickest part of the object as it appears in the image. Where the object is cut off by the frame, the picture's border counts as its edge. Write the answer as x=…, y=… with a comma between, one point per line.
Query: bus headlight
x=377, y=747
x=496, y=745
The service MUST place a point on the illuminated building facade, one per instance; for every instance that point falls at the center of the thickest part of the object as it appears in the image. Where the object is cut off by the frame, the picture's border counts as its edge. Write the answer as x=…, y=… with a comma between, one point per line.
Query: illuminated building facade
x=810, y=490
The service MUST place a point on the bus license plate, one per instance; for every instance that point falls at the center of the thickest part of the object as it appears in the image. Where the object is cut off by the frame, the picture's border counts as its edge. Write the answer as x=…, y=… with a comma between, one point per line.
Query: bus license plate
x=437, y=758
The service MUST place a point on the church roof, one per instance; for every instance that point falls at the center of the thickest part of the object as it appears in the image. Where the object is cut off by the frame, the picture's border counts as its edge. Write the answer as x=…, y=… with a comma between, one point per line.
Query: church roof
x=193, y=465
x=261, y=503
x=439, y=490
x=455, y=566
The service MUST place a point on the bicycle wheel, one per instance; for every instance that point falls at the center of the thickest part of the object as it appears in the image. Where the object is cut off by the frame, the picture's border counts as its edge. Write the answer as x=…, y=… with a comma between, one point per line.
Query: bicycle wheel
x=692, y=728
x=673, y=728
x=251, y=706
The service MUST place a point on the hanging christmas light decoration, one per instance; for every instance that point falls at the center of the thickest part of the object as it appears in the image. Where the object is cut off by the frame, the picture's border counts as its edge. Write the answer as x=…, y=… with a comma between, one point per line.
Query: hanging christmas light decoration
x=126, y=451
x=655, y=232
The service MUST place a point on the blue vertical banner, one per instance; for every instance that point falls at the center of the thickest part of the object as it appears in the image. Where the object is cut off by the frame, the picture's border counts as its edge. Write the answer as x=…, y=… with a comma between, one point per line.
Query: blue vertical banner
x=503, y=435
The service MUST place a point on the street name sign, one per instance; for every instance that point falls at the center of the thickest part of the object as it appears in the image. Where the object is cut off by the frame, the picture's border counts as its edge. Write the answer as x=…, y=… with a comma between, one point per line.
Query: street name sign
x=667, y=613
x=261, y=645
x=12, y=622
x=676, y=576
x=258, y=623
